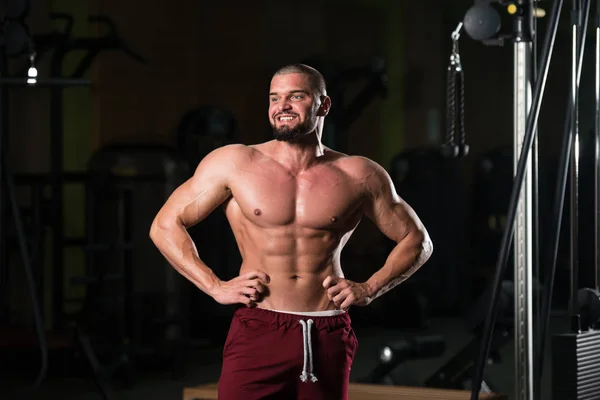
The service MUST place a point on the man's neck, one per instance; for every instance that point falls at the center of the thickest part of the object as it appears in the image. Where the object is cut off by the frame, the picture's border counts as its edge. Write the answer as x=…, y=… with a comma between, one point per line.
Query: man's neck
x=301, y=155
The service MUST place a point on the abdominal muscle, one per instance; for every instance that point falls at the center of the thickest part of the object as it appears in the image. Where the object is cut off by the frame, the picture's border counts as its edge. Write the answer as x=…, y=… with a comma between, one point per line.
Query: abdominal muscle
x=293, y=289
x=297, y=264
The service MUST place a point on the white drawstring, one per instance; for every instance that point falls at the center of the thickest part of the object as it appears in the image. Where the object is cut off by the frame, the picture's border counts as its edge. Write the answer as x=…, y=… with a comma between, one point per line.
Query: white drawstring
x=308, y=357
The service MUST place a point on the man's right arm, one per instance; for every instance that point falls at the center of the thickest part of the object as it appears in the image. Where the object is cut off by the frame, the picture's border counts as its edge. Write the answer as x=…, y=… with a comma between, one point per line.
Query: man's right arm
x=188, y=205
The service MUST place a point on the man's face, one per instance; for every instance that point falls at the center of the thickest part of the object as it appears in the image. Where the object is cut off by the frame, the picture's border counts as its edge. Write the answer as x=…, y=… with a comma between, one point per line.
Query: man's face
x=293, y=107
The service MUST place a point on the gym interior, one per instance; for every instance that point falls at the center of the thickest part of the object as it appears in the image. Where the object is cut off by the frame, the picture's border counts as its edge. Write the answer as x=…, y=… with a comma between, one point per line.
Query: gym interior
x=107, y=106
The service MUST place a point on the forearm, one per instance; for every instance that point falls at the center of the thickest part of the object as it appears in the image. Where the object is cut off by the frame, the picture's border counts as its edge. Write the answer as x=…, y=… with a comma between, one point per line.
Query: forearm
x=178, y=248
x=404, y=260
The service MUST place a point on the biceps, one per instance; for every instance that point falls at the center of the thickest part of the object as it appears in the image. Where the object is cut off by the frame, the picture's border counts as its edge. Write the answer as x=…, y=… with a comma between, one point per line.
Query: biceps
x=192, y=202
x=395, y=218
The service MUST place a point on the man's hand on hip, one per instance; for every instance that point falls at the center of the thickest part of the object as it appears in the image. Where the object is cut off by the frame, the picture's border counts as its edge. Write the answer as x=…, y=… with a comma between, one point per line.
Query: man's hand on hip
x=246, y=289
x=345, y=293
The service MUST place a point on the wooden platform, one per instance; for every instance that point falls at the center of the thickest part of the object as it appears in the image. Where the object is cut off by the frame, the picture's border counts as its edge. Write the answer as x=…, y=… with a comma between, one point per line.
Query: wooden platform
x=366, y=392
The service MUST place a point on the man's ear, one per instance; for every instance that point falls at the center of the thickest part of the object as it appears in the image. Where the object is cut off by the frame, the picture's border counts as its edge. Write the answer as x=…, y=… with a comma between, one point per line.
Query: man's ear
x=325, y=106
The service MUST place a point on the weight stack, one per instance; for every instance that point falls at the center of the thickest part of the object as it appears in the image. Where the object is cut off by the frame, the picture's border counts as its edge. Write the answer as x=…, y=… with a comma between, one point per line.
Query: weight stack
x=576, y=366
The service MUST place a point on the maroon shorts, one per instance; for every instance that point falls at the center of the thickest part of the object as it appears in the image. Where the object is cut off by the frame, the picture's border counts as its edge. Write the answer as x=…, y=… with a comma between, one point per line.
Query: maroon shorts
x=276, y=355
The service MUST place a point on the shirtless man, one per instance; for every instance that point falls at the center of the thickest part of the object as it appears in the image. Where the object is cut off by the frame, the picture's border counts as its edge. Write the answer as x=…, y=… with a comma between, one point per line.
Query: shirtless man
x=292, y=204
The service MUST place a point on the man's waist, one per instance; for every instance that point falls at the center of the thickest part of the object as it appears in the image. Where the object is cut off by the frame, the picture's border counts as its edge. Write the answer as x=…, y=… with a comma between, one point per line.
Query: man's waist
x=298, y=301
x=329, y=319
x=325, y=313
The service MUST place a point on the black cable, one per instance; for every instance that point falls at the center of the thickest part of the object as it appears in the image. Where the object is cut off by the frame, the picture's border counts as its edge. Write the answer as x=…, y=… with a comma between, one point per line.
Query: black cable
x=507, y=236
x=597, y=152
x=556, y=222
x=3, y=152
x=536, y=180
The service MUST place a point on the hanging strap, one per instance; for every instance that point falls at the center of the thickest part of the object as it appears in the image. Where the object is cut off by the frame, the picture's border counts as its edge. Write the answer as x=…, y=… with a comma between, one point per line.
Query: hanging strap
x=455, y=145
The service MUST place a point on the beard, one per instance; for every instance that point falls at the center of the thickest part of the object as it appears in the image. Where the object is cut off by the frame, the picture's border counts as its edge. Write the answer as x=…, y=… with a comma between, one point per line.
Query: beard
x=292, y=133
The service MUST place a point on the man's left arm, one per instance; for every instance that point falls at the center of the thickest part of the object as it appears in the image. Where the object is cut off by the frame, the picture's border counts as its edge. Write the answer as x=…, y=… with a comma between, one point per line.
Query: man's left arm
x=399, y=222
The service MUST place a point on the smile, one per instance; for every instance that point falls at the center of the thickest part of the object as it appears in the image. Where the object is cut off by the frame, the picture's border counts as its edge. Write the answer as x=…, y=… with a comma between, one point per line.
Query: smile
x=284, y=118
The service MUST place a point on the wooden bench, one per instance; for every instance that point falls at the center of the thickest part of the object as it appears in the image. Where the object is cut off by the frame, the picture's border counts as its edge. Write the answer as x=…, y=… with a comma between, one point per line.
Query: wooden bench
x=359, y=391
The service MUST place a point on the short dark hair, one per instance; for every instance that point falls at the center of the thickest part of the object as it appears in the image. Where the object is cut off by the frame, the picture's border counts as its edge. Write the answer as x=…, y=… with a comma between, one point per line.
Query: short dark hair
x=317, y=81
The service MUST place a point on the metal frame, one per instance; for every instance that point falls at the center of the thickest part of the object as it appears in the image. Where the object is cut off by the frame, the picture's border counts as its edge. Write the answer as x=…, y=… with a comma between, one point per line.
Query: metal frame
x=524, y=230
x=520, y=220
x=519, y=211
x=597, y=152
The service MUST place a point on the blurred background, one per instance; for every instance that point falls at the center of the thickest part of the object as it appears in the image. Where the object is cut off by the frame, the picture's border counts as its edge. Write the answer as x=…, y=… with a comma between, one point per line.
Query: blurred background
x=132, y=95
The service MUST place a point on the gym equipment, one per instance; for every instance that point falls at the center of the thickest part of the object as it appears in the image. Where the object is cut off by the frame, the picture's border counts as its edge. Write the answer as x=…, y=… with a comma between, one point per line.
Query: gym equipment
x=131, y=291
x=362, y=391
x=65, y=43
x=588, y=304
x=395, y=353
x=578, y=378
x=456, y=372
x=455, y=110
x=483, y=22
x=16, y=42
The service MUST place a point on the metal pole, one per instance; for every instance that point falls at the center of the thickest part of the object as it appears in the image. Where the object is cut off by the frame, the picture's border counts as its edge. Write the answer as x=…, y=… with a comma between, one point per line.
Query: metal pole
x=523, y=244
x=521, y=170
x=597, y=155
x=574, y=209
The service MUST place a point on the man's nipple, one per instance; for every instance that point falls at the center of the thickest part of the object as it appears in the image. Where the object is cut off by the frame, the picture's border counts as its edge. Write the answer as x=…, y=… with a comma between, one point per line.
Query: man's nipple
x=333, y=219
x=257, y=212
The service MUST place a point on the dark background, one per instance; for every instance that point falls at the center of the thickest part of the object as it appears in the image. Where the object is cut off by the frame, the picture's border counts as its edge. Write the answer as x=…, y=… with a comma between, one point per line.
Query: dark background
x=218, y=57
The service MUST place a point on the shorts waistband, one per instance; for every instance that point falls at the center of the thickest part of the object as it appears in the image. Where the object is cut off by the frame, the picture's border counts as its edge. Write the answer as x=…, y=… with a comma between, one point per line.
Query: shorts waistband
x=326, y=313
x=331, y=319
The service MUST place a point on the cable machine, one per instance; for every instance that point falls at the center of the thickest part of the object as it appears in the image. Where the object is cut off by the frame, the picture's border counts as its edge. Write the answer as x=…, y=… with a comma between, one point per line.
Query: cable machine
x=493, y=22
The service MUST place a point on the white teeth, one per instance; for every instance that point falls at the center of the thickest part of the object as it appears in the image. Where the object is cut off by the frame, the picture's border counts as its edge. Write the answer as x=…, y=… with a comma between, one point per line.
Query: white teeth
x=286, y=118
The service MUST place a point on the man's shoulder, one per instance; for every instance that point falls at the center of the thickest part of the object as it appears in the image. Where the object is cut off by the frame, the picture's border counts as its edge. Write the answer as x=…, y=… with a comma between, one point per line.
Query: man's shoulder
x=223, y=160
x=359, y=166
x=234, y=148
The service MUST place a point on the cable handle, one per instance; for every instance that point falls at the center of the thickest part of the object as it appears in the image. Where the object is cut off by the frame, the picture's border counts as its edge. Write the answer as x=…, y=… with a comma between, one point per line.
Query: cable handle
x=455, y=145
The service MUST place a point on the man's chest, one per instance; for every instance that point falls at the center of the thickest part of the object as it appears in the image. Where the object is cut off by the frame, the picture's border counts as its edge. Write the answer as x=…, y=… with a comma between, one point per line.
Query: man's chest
x=319, y=199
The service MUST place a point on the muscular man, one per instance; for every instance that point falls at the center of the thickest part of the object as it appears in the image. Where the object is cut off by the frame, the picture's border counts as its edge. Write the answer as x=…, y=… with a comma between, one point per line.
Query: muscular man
x=292, y=204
